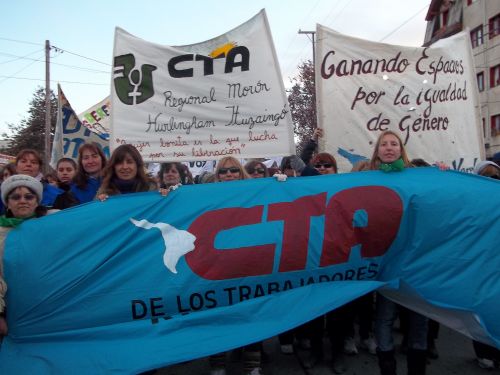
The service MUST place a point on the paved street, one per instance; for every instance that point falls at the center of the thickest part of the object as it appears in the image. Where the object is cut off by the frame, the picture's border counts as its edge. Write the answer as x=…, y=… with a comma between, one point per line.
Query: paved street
x=455, y=350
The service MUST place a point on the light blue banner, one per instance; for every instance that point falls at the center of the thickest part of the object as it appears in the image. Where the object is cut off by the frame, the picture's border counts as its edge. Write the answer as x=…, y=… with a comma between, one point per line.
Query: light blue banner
x=143, y=281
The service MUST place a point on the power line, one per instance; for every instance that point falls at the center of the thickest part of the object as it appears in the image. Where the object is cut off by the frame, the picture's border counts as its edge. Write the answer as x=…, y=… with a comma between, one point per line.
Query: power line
x=37, y=79
x=404, y=23
x=22, y=41
x=17, y=57
x=53, y=63
x=296, y=35
x=19, y=71
x=346, y=4
x=340, y=11
x=83, y=57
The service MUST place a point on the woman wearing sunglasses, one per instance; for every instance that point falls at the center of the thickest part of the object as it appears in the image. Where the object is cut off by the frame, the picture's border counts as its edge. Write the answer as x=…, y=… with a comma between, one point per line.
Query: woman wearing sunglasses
x=256, y=169
x=325, y=163
x=230, y=169
x=21, y=195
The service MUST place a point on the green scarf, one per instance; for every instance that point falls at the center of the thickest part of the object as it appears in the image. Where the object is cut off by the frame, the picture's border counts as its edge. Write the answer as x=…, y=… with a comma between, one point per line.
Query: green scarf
x=12, y=221
x=395, y=166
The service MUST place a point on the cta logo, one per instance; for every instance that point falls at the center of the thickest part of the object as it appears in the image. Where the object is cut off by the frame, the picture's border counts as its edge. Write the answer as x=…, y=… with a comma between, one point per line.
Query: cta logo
x=132, y=85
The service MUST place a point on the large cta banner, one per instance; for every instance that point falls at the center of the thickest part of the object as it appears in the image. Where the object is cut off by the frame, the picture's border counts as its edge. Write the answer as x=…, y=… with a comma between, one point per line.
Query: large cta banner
x=168, y=279
x=222, y=97
x=427, y=95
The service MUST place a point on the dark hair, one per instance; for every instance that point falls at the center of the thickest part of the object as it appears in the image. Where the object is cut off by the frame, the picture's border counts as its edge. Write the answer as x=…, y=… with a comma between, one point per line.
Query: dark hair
x=325, y=157
x=11, y=167
x=67, y=160
x=252, y=165
x=185, y=176
x=419, y=163
x=81, y=177
x=29, y=151
x=49, y=175
x=142, y=181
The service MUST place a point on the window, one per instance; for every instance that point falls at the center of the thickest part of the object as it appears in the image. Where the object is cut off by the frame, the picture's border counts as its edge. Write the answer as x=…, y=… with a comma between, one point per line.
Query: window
x=484, y=127
x=480, y=81
x=495, y=125
x=476, y=36
x=494, y=26
x=494, y=76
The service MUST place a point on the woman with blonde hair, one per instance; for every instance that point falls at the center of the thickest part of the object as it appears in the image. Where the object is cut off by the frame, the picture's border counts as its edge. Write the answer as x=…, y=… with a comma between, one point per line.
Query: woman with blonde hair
x=389, y=155
x=230, y=169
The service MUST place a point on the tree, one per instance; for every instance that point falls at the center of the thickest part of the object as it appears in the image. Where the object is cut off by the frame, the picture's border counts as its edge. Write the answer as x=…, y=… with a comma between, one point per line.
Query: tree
x=302, y=102
x=30, y=132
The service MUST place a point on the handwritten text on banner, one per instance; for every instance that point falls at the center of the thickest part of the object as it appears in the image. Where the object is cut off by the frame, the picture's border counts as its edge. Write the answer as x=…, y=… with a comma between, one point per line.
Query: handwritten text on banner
x=428, y=95
x=203, y=101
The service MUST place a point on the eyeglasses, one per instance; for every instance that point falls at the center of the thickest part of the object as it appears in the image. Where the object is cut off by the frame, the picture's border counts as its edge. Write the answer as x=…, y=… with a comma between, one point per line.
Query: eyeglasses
x=16, y=197
x=232, y=170
x=324, y=165
x=257, y=170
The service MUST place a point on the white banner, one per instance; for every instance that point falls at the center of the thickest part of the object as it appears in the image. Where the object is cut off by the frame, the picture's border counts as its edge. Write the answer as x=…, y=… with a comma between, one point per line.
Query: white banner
x=70, y=133
x=204, y=101
x=427, y=95
x=97, y=118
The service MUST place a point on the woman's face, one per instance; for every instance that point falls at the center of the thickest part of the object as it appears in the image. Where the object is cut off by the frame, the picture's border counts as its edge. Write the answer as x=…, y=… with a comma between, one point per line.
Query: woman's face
x=389, y=149
x=6, y=174
x=229, y=171
x=91, y=162
x=127, y=169
x=171, y=176
x=258, y=171
x=65, y=171
x=29, y=165
x=324, y=167
x=22, y=202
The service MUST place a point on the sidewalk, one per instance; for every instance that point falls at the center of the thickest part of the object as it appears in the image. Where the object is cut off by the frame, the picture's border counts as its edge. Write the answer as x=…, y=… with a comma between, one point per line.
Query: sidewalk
x=456, y=357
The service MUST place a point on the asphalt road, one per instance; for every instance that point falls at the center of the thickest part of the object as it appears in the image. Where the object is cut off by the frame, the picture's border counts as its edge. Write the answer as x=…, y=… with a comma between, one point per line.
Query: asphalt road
x=456, y=357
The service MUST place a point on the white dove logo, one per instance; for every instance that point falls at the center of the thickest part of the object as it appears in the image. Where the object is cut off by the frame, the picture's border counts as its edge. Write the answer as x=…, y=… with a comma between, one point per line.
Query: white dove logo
x=177, y=242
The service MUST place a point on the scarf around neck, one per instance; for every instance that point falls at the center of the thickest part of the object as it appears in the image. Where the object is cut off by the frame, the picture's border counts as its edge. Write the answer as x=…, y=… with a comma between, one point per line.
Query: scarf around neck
x=395, y=166
x=12, y=221
x=125, y=186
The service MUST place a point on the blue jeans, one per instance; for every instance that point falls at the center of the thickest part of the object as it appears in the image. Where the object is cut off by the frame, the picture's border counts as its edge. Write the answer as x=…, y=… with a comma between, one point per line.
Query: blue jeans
x=386, y=313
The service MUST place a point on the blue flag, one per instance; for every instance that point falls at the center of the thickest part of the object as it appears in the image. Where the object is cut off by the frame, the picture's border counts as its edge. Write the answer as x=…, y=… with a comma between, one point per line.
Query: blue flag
x=142, y=281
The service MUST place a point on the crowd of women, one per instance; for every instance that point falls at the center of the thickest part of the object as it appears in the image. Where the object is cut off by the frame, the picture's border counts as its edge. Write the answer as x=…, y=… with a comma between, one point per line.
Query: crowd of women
x=26, y=194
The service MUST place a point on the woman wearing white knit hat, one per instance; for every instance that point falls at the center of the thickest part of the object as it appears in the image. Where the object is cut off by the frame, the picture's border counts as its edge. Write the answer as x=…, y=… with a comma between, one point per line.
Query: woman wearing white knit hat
x=21, y=195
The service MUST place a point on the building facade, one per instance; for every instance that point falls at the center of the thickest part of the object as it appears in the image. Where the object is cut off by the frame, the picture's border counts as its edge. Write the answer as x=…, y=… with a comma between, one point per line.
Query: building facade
x=482, y=19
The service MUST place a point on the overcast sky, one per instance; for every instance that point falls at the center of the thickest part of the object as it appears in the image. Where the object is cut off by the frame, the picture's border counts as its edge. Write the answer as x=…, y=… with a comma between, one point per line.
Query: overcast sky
x=85, y=31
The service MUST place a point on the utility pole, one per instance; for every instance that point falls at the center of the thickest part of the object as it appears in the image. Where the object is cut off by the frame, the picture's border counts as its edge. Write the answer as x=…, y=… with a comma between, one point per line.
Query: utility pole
x=47, y=105
x=313, y=35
